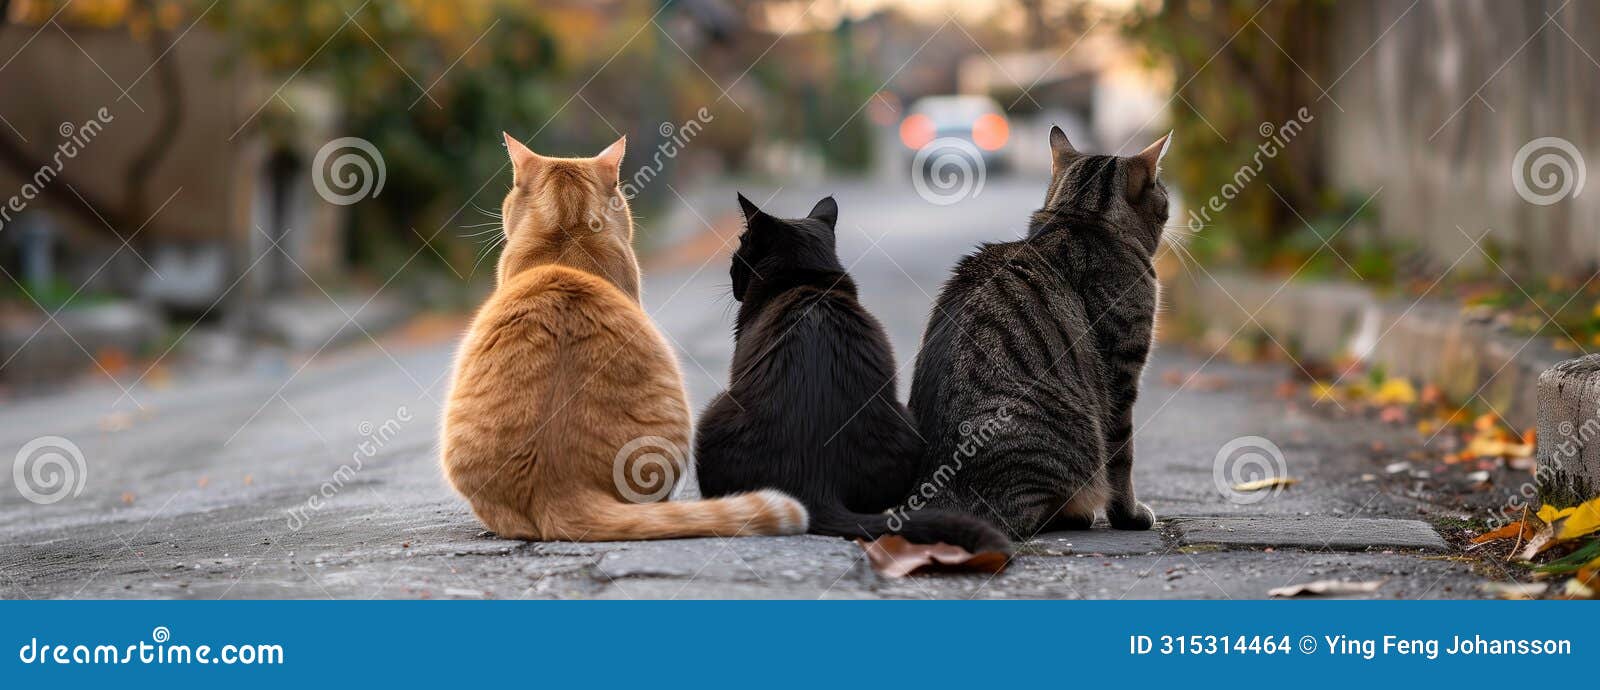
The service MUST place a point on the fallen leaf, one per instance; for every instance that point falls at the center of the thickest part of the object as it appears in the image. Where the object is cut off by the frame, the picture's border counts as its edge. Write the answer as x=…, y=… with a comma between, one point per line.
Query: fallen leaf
x=894, y=557
x=1268, y=483
x=1394, y=391
x=1573, y=522
x=1516, y=530
x=116, y=421
x=1578, y=589
x=1543, y=539
x=1287, y=389
x=127, y=498
x=113, y=360
x=1332, y=588
x=1515, y=590
x=1393, y=414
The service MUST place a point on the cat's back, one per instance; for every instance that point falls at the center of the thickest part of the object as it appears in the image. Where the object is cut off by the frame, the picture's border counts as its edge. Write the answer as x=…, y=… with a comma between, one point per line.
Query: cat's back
x=561, y=334
x=559, y=298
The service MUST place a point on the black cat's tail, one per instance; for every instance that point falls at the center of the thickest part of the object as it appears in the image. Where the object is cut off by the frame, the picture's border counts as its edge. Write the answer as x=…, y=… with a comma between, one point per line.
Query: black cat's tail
x=917, y=526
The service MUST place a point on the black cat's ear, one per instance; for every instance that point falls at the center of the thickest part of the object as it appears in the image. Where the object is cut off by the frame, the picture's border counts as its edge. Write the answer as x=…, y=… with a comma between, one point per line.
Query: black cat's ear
x=826, y=211
x=1062, y=152
x=749, y=208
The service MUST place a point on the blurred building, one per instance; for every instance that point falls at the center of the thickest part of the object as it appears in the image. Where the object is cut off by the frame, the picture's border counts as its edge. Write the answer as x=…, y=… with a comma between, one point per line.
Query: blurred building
x=131, y=190
x=1477, y=114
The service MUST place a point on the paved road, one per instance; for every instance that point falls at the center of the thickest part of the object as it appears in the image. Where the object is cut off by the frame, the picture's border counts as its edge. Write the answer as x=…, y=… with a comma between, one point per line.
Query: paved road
x=229, y=484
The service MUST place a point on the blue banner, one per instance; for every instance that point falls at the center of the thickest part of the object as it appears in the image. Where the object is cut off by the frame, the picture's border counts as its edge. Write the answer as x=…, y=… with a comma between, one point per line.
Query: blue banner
x=796, y=644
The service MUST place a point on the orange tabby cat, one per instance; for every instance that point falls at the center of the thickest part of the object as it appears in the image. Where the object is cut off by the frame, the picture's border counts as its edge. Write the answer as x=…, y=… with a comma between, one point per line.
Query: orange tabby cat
x=562, y=380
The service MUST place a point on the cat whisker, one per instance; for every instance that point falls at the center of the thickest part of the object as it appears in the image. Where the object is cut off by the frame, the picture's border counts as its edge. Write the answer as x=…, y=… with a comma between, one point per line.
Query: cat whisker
x=488, y=247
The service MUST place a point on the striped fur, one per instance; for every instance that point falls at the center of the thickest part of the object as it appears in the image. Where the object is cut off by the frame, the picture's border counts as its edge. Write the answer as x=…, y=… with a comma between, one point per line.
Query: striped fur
x=1049, y=334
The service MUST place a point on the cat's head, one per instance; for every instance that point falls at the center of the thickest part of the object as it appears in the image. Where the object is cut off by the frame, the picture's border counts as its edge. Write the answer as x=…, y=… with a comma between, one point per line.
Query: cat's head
x=772, y=245
x=568, y=211
x=1125, y=191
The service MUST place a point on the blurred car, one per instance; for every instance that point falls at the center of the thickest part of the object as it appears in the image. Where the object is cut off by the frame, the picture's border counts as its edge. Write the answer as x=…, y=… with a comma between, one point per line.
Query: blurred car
x=970, y=126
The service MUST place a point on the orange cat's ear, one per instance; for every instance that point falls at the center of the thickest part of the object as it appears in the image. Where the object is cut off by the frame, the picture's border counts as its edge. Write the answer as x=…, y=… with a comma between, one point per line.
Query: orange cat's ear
x=610, y=160
x=523, y=159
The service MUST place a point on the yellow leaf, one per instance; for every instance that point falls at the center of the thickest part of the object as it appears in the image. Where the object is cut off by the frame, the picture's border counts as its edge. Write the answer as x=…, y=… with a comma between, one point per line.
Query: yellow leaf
x=1394, y=391
x=1578, y=521
x=1268, y=483
x=1550, y=513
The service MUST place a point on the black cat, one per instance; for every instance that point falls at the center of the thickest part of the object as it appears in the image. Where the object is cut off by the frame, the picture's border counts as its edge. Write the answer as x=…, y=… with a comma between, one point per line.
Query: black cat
x=1030, y=365
x=811, y=409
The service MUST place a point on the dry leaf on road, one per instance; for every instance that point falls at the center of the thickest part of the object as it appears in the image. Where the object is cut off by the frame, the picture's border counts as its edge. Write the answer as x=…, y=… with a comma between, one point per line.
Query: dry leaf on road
x=1332, y=588
x=1515, y=590
x=894, y=557
x=1268, y=483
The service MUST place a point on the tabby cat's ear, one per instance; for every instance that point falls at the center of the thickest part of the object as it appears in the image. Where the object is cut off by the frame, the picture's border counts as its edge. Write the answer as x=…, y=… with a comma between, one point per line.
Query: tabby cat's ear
x=1061, y=151
x=1151, y=156
x=610, y=160
x=826, y=211
x=749, y=208
x=523, y=159
x=1147, y=166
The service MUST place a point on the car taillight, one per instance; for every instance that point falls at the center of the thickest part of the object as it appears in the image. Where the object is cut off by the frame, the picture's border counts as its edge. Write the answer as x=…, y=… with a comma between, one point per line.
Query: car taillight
x=990, y=132
x=916, y=131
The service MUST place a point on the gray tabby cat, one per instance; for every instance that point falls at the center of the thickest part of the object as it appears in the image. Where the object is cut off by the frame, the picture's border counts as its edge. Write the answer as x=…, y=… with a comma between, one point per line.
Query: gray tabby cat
x=1030, y=365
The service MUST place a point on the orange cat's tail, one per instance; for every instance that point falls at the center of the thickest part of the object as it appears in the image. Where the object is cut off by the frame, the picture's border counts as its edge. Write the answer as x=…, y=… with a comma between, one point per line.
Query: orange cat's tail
x=765, y=512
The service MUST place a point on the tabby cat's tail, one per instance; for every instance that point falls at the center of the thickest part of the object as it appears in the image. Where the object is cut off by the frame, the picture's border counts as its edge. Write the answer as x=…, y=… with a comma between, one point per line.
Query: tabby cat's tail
x=917, y=526
x=758, y=512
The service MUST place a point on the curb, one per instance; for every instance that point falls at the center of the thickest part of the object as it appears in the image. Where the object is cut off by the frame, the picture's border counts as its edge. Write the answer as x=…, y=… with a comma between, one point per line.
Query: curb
x=1524, y=379
x=1427, y=340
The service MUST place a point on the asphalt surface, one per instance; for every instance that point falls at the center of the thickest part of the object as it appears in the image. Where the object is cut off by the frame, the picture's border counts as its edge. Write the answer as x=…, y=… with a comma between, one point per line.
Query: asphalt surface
x=228, y=483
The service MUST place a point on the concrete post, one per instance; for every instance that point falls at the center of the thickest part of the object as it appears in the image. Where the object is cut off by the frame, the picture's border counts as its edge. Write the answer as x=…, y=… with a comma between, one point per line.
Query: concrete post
x=1569, y=432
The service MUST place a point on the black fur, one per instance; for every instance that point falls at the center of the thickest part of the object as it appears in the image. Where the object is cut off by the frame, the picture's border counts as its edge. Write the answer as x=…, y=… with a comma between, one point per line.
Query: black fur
x=811, y=409
x=1030, y=365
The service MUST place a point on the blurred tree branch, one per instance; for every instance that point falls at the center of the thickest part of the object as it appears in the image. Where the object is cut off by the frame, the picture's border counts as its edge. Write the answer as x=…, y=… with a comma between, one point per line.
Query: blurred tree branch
x=1239, y=66
x=97, y=211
